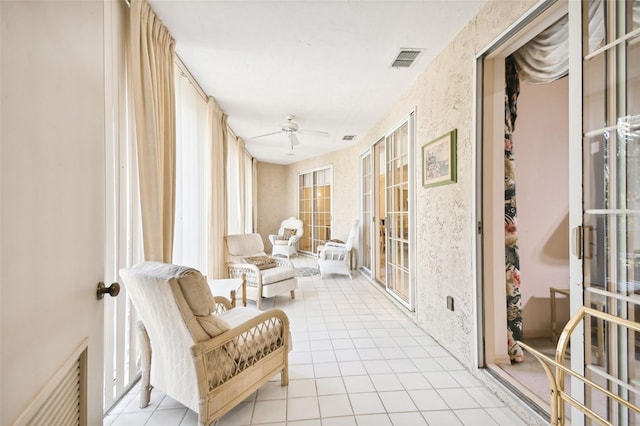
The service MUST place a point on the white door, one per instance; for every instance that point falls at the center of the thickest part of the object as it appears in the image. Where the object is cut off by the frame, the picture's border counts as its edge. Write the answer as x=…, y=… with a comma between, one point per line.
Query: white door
x=53, y=205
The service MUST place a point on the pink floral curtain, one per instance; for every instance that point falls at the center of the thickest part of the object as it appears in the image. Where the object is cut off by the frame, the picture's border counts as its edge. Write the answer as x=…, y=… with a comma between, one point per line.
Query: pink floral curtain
x=512, y=257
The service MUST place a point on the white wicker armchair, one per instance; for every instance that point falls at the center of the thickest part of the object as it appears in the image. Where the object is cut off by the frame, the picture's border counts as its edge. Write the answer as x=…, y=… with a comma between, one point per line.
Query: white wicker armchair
x=335, y=257
x=265, y=276
x=285, y=242
x=206, y=355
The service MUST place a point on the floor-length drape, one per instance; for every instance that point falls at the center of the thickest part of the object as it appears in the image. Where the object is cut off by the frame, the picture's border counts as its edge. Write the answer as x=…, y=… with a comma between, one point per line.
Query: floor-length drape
x=512, y=257
x=254, y=194
x=242, y=186
x=217, y=216
x=151, y=62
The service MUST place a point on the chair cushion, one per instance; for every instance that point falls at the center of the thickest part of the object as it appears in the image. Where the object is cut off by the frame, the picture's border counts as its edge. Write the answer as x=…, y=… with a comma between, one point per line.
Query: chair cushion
x=198, y=295
x=274, y=275
x=244, y=244
x=191, y=293
x=196, y=291
x=262, y=262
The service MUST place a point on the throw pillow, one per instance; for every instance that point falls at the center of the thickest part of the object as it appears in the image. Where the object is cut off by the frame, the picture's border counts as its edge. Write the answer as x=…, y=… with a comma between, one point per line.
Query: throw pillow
x=262, y=262
x=288, y=233
x=199, y=298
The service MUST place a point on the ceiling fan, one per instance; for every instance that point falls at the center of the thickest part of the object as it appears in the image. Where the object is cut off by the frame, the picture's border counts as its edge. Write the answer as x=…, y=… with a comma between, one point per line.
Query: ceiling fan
x=290, y=128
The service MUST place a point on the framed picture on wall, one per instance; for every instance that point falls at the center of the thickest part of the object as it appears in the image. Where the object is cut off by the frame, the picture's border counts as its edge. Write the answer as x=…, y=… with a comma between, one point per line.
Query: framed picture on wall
x=439, y=160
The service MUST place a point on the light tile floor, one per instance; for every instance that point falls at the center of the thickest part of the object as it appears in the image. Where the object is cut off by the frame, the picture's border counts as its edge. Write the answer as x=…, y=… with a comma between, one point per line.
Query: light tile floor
x=356, y=360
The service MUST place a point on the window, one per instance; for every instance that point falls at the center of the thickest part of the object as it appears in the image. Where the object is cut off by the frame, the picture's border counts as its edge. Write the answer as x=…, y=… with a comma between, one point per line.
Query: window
x=239, y=187
x=190, y=232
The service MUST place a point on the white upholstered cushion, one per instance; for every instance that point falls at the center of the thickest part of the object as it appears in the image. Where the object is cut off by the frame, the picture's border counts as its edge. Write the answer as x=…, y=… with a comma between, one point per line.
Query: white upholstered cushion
x=244, y=245
x=198, y=310
x=275, y=275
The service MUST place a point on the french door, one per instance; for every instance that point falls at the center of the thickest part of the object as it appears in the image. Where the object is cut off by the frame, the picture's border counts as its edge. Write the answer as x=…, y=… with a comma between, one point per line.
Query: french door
x=387, y=211
x=379, y=185
x=314, y=208
x=397, y=209
x=367, y=211
x=608, y=239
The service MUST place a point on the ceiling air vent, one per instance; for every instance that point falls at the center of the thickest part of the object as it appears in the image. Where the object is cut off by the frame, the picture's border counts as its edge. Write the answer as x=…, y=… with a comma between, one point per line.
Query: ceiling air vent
x=405, y=58
x=348, y=137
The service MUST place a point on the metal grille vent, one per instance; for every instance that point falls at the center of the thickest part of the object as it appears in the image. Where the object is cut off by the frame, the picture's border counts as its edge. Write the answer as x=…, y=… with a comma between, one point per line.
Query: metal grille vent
x=406, y=58
x=348, y=137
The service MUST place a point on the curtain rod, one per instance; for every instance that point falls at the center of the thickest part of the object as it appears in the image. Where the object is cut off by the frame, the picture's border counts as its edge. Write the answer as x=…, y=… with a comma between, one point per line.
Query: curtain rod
x=192, y=80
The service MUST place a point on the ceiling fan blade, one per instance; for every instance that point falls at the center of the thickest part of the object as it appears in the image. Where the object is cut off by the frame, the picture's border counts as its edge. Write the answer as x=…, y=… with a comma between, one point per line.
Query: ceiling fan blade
x=315, y=132
x=293, y=140
x=266, y=134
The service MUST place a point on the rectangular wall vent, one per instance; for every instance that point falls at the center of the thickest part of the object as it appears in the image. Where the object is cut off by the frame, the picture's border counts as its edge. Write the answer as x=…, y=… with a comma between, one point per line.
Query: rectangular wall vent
x=406, y=58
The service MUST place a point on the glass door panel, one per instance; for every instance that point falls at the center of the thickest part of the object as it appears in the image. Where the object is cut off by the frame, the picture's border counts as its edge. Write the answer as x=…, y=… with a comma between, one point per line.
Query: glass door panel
x=314, y=207
x=397, y=224
x=305, y=212
x=611, y=202
x=367, y=213
x=380, y=211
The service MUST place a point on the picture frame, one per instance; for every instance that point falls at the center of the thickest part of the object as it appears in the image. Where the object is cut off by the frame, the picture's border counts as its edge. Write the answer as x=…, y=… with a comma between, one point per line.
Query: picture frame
x=439, y=165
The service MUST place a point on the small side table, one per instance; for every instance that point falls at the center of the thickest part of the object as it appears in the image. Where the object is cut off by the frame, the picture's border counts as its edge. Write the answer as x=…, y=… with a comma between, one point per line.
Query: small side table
x=555, y=333
x=229, y=286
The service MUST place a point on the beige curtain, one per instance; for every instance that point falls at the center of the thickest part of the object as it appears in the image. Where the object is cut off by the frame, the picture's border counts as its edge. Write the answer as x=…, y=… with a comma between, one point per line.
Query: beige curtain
x=151, y=58
x=242, y=187
x=254, y=193
x=217, y=217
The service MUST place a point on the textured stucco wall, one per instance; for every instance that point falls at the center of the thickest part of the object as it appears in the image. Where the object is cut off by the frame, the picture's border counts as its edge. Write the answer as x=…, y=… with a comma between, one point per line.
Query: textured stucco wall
x=443, y=99
x=272, y=200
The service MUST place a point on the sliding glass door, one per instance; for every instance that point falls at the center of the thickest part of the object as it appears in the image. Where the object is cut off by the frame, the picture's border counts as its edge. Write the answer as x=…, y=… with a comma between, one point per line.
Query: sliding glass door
x=610, y=231
x=314, y=208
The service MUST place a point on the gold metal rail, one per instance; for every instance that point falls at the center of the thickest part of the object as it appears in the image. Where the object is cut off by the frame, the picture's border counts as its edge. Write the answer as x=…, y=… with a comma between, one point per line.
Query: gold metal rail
x=556, y=379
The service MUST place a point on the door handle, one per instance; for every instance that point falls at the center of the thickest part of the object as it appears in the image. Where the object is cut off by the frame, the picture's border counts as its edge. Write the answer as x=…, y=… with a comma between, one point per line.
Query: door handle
x=577, y=242
x=113, y=290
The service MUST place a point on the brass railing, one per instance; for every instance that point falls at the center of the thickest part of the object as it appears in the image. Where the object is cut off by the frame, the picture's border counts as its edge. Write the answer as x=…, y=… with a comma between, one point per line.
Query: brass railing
x=556, y=379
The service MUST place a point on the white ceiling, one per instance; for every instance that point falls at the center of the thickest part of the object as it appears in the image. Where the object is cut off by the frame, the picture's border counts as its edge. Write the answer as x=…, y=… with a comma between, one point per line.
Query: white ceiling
x=328, y=63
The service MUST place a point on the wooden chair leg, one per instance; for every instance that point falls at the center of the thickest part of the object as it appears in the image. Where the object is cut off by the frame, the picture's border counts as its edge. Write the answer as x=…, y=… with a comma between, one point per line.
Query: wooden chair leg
x=233, y=298
x=244, y=290
x=145, y=365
